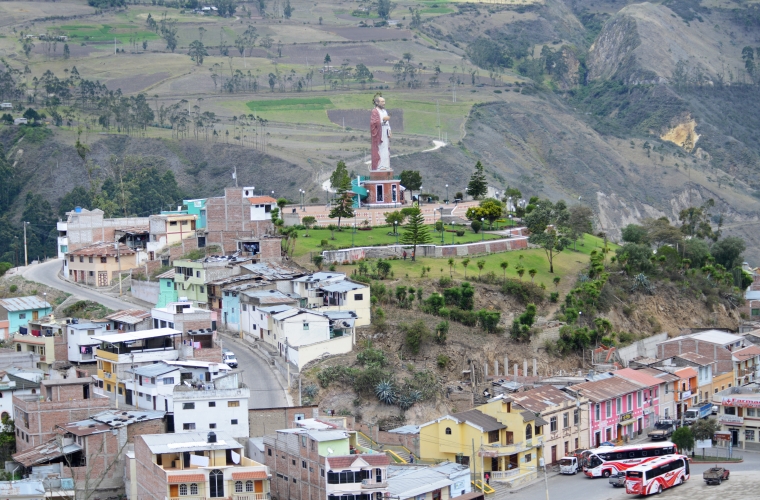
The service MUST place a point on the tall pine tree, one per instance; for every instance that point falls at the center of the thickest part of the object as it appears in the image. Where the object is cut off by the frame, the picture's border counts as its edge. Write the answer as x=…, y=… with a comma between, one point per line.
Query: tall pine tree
x=343, y=205
x=416, y=232
x=478, y=186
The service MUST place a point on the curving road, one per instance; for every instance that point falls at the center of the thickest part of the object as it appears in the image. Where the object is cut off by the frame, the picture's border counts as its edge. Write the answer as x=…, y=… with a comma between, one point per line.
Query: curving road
x=47, y=274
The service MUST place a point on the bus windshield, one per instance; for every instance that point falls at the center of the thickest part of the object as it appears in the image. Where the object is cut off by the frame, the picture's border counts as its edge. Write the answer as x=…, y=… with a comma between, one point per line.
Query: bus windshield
x=566, y=462
x=594, y=461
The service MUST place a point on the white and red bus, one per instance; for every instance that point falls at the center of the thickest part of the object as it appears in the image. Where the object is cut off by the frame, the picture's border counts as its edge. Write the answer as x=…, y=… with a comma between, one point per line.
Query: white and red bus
x=608, y=460
x=657, y=475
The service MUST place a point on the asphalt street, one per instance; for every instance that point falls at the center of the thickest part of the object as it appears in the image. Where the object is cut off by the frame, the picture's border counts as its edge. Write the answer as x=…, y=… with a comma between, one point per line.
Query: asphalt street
x=266, y=389
x=581, y=487
x=47, y=274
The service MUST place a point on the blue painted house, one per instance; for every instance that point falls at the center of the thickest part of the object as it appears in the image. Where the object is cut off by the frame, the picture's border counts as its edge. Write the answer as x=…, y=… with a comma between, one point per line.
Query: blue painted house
x=167, y=292
x=19, y=310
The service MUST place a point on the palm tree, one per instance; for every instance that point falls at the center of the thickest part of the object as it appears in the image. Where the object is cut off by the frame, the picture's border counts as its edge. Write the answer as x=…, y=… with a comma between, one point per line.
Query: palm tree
x=504, y=265
x=465, y=263
x=532, y=273
x=452, y=263
x=481, y=264
x=520, y=272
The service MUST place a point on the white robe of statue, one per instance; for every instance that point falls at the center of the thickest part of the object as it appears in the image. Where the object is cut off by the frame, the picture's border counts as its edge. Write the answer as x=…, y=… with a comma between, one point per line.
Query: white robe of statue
x=383, y=147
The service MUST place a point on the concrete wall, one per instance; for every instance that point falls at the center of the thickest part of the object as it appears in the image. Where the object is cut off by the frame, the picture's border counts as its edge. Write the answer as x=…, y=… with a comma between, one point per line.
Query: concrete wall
x=646, y=347
x=410, y=441
x=268, y=420
x=145, y=290
x=302, y=355
x=397, y=251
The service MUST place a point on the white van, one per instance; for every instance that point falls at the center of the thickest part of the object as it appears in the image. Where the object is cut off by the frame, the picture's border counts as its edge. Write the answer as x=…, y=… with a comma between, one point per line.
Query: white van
x=228, y=358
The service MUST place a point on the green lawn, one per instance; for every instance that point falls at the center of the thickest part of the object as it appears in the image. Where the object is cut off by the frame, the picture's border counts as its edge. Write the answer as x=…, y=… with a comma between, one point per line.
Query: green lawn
x=107, y=32
x=377, y=236
x=566, y=264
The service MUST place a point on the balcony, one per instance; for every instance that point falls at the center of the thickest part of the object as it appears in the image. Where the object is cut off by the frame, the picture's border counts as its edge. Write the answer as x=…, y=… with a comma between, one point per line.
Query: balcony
x=370, y=484
x=250, y=496
x=502, y=450
x=502, y=475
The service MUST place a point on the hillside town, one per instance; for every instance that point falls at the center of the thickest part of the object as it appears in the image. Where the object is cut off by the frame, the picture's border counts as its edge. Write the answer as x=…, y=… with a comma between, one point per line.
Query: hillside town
x=150, y=402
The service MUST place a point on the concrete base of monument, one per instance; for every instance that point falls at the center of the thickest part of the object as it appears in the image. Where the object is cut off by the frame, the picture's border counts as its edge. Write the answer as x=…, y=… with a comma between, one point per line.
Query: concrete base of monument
x=384, y=205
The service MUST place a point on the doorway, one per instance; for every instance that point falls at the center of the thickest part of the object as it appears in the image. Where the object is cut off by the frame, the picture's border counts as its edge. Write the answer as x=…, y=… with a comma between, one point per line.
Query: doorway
x=597, y=439
x=734, y=437
x=102, y=278
x=128, y=397
x=35, y=315
x=554, y=454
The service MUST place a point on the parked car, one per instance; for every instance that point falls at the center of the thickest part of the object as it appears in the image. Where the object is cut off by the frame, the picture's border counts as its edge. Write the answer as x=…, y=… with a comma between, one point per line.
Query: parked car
x=662, y=430
x=568, y=465
x=716, y=475
x=617, y=480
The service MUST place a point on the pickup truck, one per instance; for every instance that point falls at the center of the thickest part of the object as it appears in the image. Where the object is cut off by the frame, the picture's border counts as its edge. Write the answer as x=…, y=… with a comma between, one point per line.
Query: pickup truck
x=694, y=414
x=716, y=475
x=662, y=430
x=569, y=465
x=617, y=480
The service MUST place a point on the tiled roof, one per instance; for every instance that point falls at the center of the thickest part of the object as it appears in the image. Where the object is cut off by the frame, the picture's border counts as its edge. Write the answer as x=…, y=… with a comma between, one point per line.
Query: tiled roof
x=687, y=372
x=659, y=374
x=186, y=478
x=23, y=303
x=103, y=249
x=259, y=474
x=261, y=200
x=746, y=353
x=638, y=376
x=602, y=390
x=346, y=461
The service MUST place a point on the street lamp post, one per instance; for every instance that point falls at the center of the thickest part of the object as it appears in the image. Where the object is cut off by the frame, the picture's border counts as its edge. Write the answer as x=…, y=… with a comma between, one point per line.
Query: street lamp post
x=442, y=226
x=447, y=195
x=26, y=258
x=395, y=230
x=482, y=228
x=419, y=199
x=353, y=232
x=302, y=196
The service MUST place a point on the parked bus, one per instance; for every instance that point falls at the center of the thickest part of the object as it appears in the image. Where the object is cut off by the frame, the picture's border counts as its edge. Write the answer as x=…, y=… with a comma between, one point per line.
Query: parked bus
x=608, y=460
x=657, y=475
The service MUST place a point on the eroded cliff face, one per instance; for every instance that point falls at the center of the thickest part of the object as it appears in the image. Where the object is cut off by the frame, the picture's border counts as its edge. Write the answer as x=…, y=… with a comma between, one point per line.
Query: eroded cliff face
x=683, y=133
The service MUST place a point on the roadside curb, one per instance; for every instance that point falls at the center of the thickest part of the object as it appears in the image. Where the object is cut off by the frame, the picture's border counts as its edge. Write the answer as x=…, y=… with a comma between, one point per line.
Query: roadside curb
x=703, y=462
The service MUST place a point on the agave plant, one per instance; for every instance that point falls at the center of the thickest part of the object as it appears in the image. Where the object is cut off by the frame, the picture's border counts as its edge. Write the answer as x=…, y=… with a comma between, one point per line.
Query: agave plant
x=641, y=281
x=386, y=392
x=407, y=400
x=311, y=391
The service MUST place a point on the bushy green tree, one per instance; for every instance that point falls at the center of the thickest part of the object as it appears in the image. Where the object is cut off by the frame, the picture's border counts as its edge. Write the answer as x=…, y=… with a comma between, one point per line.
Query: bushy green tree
x=197, y=52
x=416, y=232
x=634, y=233
x=728, y=252
x=548, y=226
x=683, y=438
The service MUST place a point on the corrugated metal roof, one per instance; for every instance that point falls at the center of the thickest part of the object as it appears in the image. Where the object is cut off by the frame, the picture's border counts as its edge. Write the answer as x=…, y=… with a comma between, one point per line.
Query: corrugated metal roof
x=44, y=453
x=602, y=390
x=659, y=374
x=167, y=275
x=272, y=272
x=746, y=353
x=539, y=399
x=24, y=303
x=406, y=429
x=695, y=358
x=321, y=276
x=417, y=482
x=129, y=316
x=479, y=419
x=638, y=376
x=275, y=309
x=22, y=383
x=141, y=335
x=712, y=336
x=102, y=249
x=25, y=488
x=154, y=370
x=342, y=286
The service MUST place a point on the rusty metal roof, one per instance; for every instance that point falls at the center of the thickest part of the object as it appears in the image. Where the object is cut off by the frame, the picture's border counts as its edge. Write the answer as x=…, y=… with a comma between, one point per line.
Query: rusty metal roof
x=539, y=399
x=639, y=376
x=45, y=452
x=695, y=358
x=102, y=249
x=167, y=275
x=129, y=316
x=24, y=303
x=261, y=200
x=659, y=374
x=608, y=388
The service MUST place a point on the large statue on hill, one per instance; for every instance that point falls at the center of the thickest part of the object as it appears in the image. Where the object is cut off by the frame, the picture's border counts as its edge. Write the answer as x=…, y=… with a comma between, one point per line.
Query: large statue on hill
x=380, y=130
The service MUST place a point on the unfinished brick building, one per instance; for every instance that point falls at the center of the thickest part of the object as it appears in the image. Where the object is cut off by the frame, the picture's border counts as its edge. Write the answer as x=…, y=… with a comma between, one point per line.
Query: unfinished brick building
x=714, y=344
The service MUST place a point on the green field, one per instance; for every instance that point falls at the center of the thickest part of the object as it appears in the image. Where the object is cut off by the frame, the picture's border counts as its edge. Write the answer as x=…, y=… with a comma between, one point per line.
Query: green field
x=294, y=104
x=107, y=32
x=566, y=265
x=377, y=236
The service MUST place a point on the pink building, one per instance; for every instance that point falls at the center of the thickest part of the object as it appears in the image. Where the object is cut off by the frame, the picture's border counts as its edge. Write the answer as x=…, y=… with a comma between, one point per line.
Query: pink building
x=650, y=410
x=616, y=408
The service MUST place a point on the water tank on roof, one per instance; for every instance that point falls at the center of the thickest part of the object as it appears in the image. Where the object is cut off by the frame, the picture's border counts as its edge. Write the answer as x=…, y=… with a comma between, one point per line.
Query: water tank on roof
x=78, y=209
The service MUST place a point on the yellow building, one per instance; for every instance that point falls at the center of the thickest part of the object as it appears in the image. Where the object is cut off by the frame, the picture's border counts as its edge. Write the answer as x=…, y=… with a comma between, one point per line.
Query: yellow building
x=500, y=438
x=99, y=264
x=722, y=382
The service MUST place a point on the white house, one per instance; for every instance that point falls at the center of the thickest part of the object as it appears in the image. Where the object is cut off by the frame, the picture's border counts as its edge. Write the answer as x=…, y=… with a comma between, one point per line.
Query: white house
x=20, y=121
x=17, y=382
x=153, y=385
x=302, y=335
x=258, y=322
x=221, y=404
x=6, y=105
x=308, y=287
x=80, y=341
x=347, y=295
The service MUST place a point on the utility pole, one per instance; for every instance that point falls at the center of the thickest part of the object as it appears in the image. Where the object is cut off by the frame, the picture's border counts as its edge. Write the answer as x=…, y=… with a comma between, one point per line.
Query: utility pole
x=118, y=260
x=542, y=463
x=26, y=258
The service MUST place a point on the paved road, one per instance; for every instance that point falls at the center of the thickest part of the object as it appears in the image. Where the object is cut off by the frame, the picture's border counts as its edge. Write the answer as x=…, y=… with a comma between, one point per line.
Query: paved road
x=266, y=389
x=583, y=488
x=47, y=274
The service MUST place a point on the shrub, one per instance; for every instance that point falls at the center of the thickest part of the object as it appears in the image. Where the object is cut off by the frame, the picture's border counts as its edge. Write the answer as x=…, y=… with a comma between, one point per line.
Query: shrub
x=525, y=292
x=476, y=225
x=441, y=332
x=554, y=297
x=371, y=357
x=460, y=232
x=386, y=392
x=414, y=335
x=445, y=282
x=489, y=320
x=13, y=288
x=442, y=361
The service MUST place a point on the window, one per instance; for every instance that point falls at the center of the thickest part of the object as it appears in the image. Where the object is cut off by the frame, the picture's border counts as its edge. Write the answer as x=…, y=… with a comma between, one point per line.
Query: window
x=71, y=258
x=193, y=489
x=608, y=408
x=81, y=258
x=528, y=431
x=552, y=424
x=749, y=434
x=188, y=406
x=233, y=404
x=630, y=402
x=750, y=412
x=729, y=410
x=103, y=260
x=197, y=274
x=183, y=489
x=269, y=451
x=168, y=381
x=305, y=326
x=619, y=405
x=249, y=485
x=202, y=290
x=147, y=397
x=493, y=436
x=358, y=296
x=576, y=418
x=238, y=486
x=321, y=472
x=638, y=399
x=234, y=421
x=565, y=420
x=188, y=427
x=212, y=404
x=108, y=387
x=528, y=457
x=212, y=426
x=89, y=259
x=216, y=484
x=303, y=441
x=597, y=412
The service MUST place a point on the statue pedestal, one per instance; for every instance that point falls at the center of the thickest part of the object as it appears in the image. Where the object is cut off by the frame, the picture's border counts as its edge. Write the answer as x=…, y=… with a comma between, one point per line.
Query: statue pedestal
x=383, y=190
